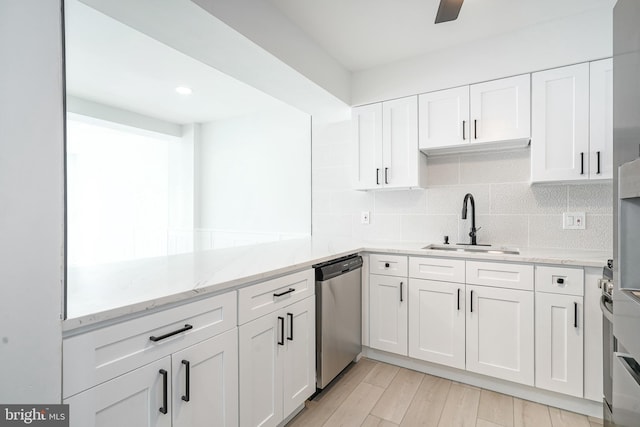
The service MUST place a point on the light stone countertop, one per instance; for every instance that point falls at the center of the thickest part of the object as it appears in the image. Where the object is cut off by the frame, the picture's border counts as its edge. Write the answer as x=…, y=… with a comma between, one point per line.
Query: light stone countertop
x=106, y=293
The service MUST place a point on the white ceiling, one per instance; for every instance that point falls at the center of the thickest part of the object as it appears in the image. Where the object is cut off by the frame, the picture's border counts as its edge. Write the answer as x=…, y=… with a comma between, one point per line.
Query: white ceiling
x=110, y=63
x=362, y=34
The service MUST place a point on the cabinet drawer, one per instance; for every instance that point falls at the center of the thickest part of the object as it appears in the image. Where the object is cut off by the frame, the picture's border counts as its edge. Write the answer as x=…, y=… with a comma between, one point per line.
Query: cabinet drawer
x=443, y=269
x=501, y=275
x=389, y=265
x=97, y=356
x=560, y=280
x=257, y=300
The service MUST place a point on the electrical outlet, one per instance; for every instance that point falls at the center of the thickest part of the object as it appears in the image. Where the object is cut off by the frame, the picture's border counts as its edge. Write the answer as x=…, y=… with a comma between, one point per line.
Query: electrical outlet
x=364, y=217
x=573, y=220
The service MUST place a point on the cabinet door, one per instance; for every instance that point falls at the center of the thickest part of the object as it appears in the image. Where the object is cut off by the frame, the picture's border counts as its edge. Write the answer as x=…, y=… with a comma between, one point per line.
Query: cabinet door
x=205, y=383
x=130, y=400
x=560, y=129
x=367, y=131
x=501, y=109
x=601, y=119
x=437, y=322
x=261, y=342
x=500, y=333
x=559, y=343
x=400, y=153
x=388, y=313
x=299, y=364
x=444, y=118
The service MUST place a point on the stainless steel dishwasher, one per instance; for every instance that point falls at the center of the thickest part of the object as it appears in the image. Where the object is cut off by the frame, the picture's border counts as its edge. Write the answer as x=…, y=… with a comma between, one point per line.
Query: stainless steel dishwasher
x=338, y=316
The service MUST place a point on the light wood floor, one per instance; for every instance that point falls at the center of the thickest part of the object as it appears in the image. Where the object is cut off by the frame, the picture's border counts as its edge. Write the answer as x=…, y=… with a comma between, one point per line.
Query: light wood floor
x=371, y=393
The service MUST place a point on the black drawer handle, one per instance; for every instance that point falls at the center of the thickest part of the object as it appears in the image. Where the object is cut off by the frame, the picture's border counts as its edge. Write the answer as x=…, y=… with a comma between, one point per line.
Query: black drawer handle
x=170, y=334
x=187, y=377
x=464, y=124
x=284, y=293
x=598, y=154
x=581, y=163
x=386, y=175
x=377, y=176
x=471, y=302
x=560, y=281
x=401, y=292
x=458, y=299
x=475, y=129
x=575, y=314
x=165, y=391
x=281, y=338
x=386, y=265
x=290, y=316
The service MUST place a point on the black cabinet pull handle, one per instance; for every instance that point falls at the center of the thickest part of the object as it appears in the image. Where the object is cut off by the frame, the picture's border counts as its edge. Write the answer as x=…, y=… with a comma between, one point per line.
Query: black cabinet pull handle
x=471, y=302
x=560, y=280
x=165, y=391
x=386, y=265
x=400, y=291
x=377, y=176
x=581, y=163
x=598, y=154
x=464, y=125
x=170, y=334
x=290, y=316
x=281, y=322
x=475, y=129
x=284, y=293
x=187, y=377
x=458, y=299
x=386, y=177
x=575, y=314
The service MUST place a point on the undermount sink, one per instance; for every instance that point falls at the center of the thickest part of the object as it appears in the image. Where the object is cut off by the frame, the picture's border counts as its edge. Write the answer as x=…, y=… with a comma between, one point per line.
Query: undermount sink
x=486, y=249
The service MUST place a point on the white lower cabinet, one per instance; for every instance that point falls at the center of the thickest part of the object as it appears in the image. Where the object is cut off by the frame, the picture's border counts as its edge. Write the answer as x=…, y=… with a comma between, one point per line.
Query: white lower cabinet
x=559, y=343
x=437, y=322
x=388, y=313
x=277, y=364
x=205, y=383
x=130, y=400
x=500, y=335
x=152, y=395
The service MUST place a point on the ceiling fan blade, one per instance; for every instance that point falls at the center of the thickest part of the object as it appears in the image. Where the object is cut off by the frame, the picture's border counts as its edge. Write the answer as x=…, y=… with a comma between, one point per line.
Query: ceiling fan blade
x=448, y=10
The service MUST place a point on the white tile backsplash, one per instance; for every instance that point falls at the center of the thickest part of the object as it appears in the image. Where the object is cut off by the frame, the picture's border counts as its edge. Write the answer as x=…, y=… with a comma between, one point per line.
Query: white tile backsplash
x=523, y=198
x=400, y=202
x=495, y=166
x=509, y=209
x=592, y=198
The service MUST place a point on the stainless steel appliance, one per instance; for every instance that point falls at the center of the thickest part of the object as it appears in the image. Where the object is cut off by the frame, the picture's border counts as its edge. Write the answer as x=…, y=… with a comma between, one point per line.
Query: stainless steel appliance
x=338, y=316
x=626, y=187
x=608, y=340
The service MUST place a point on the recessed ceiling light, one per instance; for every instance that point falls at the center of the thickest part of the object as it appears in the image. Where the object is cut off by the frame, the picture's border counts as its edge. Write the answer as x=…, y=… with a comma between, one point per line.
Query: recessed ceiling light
x=183, y=90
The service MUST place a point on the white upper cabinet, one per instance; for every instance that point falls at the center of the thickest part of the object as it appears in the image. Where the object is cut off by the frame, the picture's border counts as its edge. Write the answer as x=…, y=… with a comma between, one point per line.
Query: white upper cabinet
x=367, y=134
x=493, y=114
x=601, y=119
x=501, y=110
x=560, y=131
x=386, y=142
x=444, y=118
x=572, y=131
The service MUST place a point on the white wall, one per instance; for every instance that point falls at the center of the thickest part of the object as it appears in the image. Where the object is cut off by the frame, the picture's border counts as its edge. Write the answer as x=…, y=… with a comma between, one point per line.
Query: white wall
x=31, y=201
x=576, y=39
x=509, y=210
x=266, y=26
x=254, y=173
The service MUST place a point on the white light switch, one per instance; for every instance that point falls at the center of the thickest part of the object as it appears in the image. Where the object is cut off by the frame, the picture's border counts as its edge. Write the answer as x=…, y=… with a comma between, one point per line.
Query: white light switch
x=573, y=220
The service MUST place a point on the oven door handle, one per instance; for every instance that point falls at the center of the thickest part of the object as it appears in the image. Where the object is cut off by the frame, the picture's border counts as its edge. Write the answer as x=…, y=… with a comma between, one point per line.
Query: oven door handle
x=605, y=311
